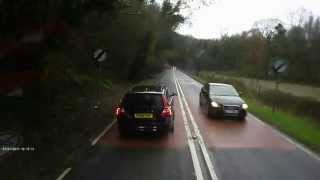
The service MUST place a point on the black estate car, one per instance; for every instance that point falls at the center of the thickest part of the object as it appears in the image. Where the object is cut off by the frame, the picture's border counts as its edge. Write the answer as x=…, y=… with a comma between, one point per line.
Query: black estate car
x=147, y=109
x=222, y=100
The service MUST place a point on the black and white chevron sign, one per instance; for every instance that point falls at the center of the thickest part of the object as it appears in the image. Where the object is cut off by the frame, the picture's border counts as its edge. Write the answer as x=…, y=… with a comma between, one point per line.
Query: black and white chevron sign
x=278, y=66
x=100, y=55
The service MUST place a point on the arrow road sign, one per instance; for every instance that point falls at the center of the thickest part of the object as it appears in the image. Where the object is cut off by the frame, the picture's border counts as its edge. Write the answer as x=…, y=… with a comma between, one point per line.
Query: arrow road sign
x=100, y=55
x=278, y=66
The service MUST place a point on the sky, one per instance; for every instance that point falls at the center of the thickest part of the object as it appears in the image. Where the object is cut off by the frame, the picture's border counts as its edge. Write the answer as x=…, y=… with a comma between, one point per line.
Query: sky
x=234, y=16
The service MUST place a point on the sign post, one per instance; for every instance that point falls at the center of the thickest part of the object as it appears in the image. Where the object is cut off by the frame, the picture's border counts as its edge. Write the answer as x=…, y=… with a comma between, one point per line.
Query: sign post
x=99, y=56
x=279, y=66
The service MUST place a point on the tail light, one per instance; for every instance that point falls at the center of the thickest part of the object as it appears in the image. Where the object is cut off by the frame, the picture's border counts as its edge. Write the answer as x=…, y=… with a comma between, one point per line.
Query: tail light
x=166, y=113
x=119, y=112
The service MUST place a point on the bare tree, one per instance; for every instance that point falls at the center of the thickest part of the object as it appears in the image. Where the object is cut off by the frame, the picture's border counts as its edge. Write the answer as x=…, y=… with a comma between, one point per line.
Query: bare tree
x=267, y=26
x=299, y=16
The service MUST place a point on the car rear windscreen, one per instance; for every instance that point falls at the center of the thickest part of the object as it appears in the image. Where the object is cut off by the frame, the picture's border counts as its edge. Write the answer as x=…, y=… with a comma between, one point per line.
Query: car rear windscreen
x=143, y=102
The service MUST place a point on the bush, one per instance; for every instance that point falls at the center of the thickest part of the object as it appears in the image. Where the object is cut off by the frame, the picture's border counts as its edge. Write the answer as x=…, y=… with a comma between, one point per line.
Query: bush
x=297, y=105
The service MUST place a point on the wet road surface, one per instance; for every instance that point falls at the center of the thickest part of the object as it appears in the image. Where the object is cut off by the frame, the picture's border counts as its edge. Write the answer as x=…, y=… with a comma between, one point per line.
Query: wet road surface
x=200, y=148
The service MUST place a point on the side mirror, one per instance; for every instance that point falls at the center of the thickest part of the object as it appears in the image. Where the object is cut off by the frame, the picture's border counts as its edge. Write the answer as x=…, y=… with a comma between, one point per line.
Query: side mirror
x=203, y=90
x=240, y=93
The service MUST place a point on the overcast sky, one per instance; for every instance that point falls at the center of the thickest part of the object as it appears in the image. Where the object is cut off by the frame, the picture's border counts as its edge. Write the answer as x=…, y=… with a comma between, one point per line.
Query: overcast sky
x=234, y=16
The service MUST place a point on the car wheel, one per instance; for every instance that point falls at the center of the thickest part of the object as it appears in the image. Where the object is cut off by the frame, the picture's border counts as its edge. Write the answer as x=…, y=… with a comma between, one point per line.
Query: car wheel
x=209, y=113
x=241, y=118
x=122, y=132
x=171, y=128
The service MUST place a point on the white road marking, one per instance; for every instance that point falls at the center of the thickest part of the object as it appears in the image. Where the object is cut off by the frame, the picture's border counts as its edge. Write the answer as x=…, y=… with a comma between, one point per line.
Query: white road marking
x=64, y=173
x=194, y=157
x=201, y=142
x=94, y=142
x=290, y=140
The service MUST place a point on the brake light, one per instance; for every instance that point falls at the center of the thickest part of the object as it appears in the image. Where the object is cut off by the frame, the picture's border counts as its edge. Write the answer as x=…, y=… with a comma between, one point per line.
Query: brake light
x=164, y=101
x=119, y=111
x=166, y=113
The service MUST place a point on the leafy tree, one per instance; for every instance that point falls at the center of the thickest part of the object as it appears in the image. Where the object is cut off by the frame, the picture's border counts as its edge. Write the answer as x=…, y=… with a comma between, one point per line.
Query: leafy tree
x=250, y=53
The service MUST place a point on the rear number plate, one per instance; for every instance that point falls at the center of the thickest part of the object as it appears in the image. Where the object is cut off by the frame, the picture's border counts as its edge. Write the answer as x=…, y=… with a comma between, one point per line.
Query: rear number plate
x=143, y=115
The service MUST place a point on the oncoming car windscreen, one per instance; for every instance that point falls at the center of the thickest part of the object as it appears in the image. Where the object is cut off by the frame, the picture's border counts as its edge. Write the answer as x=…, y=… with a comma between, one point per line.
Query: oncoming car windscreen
x=219, y=90
x=143, y=101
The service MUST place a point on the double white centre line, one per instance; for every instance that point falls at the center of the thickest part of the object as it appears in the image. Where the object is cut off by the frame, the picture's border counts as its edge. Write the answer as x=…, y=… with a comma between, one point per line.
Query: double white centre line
x=191, y=141
x=191, y=144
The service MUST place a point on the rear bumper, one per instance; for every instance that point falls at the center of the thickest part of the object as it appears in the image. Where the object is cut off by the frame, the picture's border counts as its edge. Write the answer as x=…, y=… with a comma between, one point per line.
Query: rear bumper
x=152, y=126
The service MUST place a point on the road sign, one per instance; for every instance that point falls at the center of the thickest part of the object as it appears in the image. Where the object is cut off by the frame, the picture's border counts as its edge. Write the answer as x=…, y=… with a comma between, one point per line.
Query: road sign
x=100, y=55
x=9, y=142
x=278, y=66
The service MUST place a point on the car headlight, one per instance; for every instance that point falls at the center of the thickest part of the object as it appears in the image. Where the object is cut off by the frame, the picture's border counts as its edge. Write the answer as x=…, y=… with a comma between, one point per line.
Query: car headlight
x=244, y=106
x=214, y=104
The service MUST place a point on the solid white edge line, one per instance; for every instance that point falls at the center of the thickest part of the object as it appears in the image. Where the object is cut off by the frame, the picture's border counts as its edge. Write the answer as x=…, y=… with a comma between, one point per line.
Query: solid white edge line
x=201, y=141
x=94, y=142
x=64, y=173
x=286, y=137
x=289, y=139
x=192, y=148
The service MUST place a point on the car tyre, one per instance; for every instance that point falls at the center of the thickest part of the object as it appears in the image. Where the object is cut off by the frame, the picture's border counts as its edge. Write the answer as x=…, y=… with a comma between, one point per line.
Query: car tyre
x=122, y=132
x=241, y=118
x=171, y=127
x=209, y=113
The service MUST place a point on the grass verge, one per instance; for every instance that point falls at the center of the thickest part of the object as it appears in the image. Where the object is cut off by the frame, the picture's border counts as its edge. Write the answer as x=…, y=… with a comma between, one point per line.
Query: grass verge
x=303, y=129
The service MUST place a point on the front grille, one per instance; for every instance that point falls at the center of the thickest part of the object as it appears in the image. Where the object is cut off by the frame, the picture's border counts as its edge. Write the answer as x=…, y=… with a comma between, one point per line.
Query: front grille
x=231, y=107
x=231, y=110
